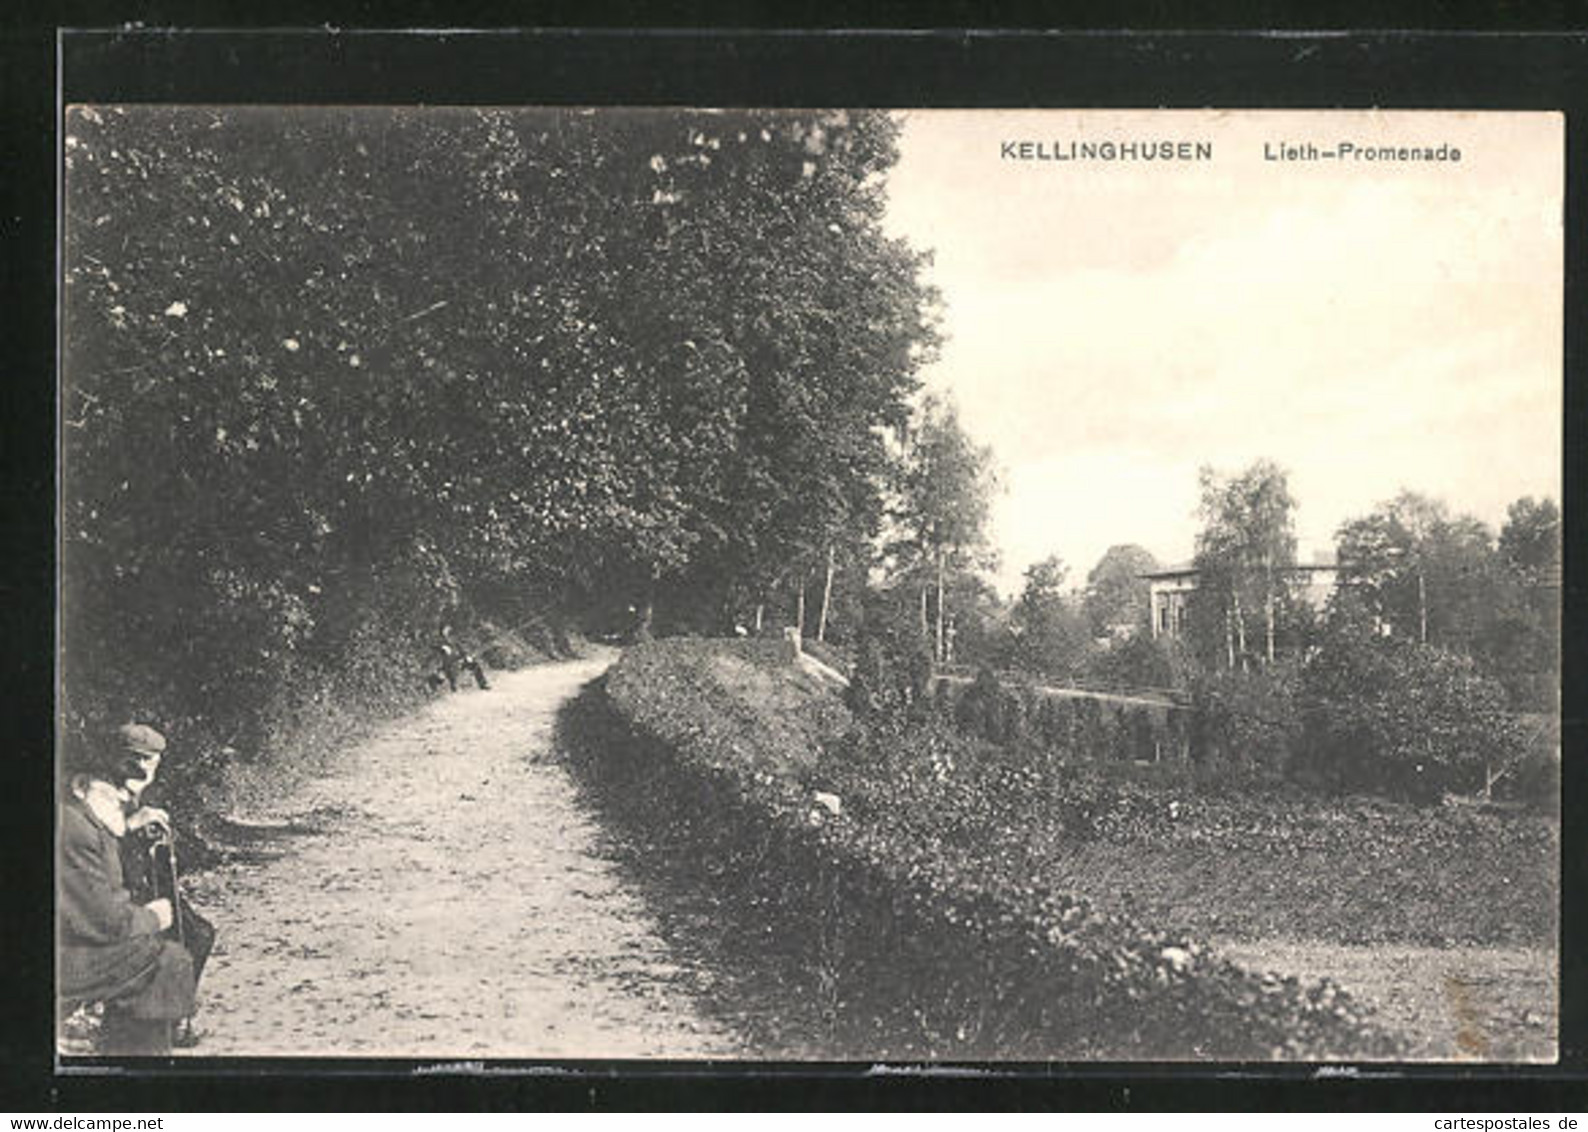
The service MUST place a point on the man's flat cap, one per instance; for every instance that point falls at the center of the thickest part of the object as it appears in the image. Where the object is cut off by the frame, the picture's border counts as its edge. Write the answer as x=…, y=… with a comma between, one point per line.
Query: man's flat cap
x=140, y=739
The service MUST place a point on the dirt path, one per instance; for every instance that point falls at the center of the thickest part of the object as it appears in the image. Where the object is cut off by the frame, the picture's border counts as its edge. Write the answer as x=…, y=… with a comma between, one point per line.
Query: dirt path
x=451, y=898
x=1448, y=1003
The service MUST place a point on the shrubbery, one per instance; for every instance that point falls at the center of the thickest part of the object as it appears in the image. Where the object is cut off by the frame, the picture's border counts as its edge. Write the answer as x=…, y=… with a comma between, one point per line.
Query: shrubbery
x=916, y=903
x=1362, y=714
x=239, y=690
x=1407, y=720
x=893, y=661
x=1244, y=725
x=1070, y=729
x=1137, y=661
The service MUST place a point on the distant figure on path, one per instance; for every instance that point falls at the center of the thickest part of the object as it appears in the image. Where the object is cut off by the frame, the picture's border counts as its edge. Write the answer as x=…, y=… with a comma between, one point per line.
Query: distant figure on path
x=453, y=660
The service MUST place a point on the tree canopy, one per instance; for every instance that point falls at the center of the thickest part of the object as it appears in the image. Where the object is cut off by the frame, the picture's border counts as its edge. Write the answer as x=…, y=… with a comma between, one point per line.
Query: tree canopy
x=1244, y=551
x=1051, y=634
x=558, y=355
x=942, y=507
x=1116, y=592
x=1530, y=538
x=1422, y=573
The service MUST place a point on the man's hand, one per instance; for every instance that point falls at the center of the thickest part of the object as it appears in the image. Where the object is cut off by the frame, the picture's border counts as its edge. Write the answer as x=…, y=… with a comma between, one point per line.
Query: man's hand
x=162, y=911
x=148, y=815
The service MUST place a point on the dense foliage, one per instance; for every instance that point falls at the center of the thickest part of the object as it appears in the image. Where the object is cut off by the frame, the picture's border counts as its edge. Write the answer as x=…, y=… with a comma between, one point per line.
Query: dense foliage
x=1409, y=720
x=915, y=908
x=1116, y=590
x=1417, y=572
x=893, y=657
x=1051, y=636
x=1361, y=715
x=1244, y=550
x=334, y=375
x=938, y=533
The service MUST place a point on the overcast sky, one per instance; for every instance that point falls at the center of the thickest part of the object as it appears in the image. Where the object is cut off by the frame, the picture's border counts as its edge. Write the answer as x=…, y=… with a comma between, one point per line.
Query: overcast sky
x=1114, y=325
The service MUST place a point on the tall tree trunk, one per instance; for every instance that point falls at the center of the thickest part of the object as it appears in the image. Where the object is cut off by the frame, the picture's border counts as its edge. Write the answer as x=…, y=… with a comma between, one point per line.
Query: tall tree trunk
x=642, y=632
x=1229, y=635
x=799, y=608
x=1268, y=613
x=1268, y=604
x=1240, y=629
x=939, y=652
x=1422, y=608
x=827, y=597
x=926, y=626
x=760, y=609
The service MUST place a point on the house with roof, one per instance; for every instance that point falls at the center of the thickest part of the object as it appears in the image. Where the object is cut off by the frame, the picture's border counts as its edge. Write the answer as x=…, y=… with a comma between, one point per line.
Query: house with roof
x=1169, y=591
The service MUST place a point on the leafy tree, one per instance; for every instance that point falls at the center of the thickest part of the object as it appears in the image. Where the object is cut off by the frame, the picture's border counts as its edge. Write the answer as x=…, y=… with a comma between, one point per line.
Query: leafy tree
x=303, y=403
x=1530, y=538
x=1116, y=592
x=1418, y=572
x=946, y=487
x=1523, y=641
x=1136, y=662
x=1244, y=553
x=979, y=625
x=1051, y=635
x=893, y=660
x=771, y=234
x=1426, y=574
x=1246, y=723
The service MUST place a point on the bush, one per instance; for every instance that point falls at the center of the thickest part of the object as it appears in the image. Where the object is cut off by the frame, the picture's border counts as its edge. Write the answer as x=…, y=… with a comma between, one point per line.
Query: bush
x=997, y=712
x=893, y=661
x=1136, y=662
x=1055, y=725
x=1245, y=725
x=1411, y=721
x=261, y=684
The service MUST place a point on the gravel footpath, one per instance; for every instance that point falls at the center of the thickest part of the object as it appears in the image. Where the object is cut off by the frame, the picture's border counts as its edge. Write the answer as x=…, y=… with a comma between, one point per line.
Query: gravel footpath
x=443, y=894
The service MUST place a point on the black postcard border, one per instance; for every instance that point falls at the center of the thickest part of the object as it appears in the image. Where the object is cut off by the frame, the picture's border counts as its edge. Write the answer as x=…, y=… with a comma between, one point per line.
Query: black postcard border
x=1509, y=68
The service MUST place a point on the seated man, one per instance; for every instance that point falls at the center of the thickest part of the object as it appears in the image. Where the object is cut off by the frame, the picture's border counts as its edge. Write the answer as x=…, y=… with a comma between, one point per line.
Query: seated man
x=110, y=947
x=147, y=860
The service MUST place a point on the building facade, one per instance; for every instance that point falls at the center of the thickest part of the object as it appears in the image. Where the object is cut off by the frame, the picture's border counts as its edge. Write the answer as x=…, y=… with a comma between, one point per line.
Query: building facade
x=1169, y=593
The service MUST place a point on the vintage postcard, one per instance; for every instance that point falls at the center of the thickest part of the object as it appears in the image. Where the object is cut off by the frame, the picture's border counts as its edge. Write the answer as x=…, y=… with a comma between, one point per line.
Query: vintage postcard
x=549, y=584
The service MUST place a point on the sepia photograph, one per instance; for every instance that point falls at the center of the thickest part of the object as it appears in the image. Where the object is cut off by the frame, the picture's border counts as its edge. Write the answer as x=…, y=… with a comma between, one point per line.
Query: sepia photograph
x=566, y=584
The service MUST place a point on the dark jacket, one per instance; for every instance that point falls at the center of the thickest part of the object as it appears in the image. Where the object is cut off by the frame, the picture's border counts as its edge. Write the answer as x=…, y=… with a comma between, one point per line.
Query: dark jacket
x=110, y=948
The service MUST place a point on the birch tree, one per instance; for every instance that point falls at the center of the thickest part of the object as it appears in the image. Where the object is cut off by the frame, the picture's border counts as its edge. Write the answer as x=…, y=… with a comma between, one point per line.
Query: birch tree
x=948, y=483
x=1245, y=551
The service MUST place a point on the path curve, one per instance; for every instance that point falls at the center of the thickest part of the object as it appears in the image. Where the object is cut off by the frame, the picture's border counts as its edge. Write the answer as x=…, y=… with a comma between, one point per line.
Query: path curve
x=455, y=899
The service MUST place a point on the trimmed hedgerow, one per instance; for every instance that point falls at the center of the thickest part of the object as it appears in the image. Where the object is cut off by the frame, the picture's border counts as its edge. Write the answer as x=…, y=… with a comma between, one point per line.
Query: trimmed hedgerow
x=926, y=944
x=1070, y=727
